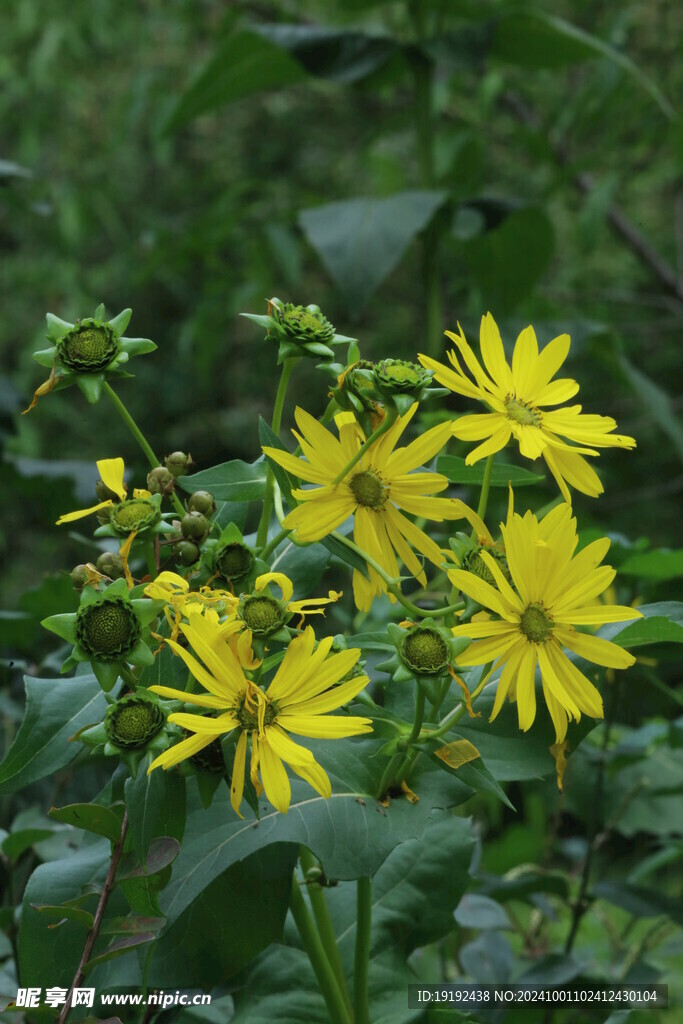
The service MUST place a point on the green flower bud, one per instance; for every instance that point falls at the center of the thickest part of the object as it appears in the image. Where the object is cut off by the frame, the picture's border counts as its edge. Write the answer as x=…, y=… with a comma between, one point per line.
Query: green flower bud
x=178, y=463
x=133, y=721
x=89, y=347
x=474, y=563
x=201, y=501
x=424, y=651
x=79, y=577
x=110, y=564
x=195, y=526
x=188, y=553
x=107, y=630
x=303, y=323
x=160, y=480
x=400, y=377
x=262, y=614
x=234, y=561
x=134, y=514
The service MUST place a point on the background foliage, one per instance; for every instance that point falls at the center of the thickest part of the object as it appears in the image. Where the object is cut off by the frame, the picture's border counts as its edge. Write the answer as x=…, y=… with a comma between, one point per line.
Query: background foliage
x=189, y=159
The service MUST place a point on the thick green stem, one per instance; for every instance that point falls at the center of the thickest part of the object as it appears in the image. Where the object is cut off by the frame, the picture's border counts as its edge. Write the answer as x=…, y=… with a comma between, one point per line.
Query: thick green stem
x=316, y=954
x=414, y=733
x=388, y=420
x=274, y=543
x=362, y=958
x=324, y=923
x=262, y=533
x=139, y=437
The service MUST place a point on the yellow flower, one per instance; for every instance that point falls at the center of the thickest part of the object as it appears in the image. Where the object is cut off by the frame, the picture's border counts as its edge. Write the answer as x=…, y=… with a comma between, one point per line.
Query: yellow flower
x=175, y=591
x=111, y=473
x=296, y=701
x=374, y=491
x=554, y=592
x=517, y=396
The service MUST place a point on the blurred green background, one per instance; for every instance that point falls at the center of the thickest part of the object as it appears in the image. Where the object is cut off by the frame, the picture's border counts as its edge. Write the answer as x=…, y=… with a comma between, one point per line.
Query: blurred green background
x=406, y=166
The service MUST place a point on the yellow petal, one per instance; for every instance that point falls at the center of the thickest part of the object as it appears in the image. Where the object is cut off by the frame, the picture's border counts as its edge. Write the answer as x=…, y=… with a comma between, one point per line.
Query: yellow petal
x=71, y=517
x=111, y=473
x=280, y=580
x=237, y=783
x=275, y=781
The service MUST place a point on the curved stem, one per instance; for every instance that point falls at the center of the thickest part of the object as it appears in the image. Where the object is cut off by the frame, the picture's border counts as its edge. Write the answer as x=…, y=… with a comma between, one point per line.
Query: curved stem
x=323, y=920
x=262, y=532
x=91, y=938
x=274, y=543
x=139, y=437
x=388, y=421
x=316, y=954
x=361, y=966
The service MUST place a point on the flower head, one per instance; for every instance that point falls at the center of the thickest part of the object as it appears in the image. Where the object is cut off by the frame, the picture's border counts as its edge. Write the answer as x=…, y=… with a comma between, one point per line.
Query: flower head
x=300, y=330
x=297, y=701
x=518, y=397
x=265, y=614
x=554, y=591
x=376, y=491
x=87, y=352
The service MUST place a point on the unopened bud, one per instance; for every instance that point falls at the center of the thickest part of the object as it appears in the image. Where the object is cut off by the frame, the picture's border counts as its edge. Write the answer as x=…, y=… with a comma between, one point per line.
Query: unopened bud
x=188, y=553
x=110, y=564
x=160, y=480
x=178, y=463
x=195, y=526
x=79, y=577
x=201, y=501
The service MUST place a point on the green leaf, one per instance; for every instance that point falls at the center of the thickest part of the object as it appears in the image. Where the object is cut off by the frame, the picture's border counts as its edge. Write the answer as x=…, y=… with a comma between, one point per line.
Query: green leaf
x=269, y=439
x=453, y=467
x=336, y=55
x=304, y=566
x=493, y=258
x=23, y=839
x=160, y=854
x=243, y=64
x=204, y=948
x=662, y=622
x=156, y=806
x=640, y=901
x=535, y=39
x=65, y=913
x=17, y=631
x=132, y=925
x=660, y=564
x=360, y=241
x=337, y=547
x=119, y=948
x=655, y=401
x=90, y=817
x=481, y=912
x=522, y=883
x=231, y=481
x=216, y=839
x=55, y=710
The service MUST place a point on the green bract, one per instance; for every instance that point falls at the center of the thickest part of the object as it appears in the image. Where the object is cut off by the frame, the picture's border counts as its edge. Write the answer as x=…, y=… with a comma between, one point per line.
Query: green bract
x=300, y=330
x=424, y=652
x=89, y=351
x=110, y=630
x=143, y=515
x=230, y=558
x=133, y=721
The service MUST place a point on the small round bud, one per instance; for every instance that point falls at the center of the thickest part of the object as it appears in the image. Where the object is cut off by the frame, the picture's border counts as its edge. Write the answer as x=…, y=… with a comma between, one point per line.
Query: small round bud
x=160, y=480
x=79, y=577
x=188, y=553
x=195, y=526
x=178, y=463
x=133, y=721
x=110, y=564
x=425, y=651
x=261, y=614
x=89, y=347
x=234, y=562
x=201, y=501
x=107, y=630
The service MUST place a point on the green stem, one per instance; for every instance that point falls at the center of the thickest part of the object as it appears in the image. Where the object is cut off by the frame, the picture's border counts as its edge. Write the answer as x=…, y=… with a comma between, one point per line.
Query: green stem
x=485, y=488
x=414, y=733
x=324, y=922
x=451, y=718
x=274, y=543
x=388, y=775
x=316, y=954
x=388, y=420
x=150, y=559
x=262, y=533
x=139, y=437
x=362, y=958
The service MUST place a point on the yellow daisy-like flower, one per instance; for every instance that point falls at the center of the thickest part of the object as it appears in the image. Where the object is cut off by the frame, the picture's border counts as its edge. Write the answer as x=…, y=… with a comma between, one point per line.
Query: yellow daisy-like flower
x=296, y=701
x=555, y=591
x=111, y=473
x=518, y=396
x=375, y=491
x=180, y=600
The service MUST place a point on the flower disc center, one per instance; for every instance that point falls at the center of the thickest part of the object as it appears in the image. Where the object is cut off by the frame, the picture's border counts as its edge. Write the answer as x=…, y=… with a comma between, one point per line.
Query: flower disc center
x=133, y=514
x=247, y=715
x=520, y=412
x=368, y=489
x=133, y=721
x=88, y=347
x=262, y=615
x=425, y=651
x=234, y=562
x=536, y=624
x=109, y=630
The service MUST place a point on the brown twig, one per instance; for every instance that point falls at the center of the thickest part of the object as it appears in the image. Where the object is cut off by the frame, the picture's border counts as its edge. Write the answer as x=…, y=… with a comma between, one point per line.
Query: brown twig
x=97, y=922
x=619, y=222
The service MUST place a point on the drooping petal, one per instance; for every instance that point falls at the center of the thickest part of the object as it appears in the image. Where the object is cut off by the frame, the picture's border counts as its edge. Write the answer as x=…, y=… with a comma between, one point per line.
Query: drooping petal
x=238, y=769
x=275, y=781
x=111, y=473
x=70, y=517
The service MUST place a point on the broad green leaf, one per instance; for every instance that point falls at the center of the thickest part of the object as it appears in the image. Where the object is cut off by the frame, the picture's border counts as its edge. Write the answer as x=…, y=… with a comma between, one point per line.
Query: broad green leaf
x=55, y=710
x=662, y=622
x=132, y=925
x=640, y=901
x=216, y=838
x=360, y=241
x=454, y=467
x=304, y=566
x=337, y=547
x=119, y=947
x=655, y=401
x=243, y=64
x=340, y=56
x=59, y=915
x=16, y=843
x=90, y=817
x=481, y=912
x=17, y=631
x=535, y=39
x=204, y=947
x=503, y=278
x=156, y=806
x=161, y=853
x=659, y=564
x=231, y=481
